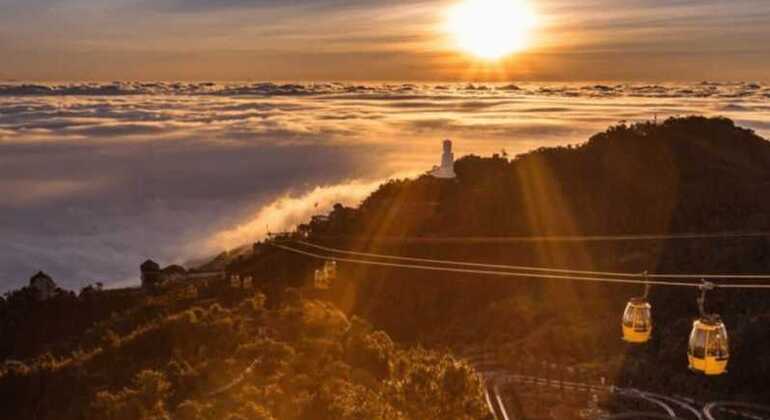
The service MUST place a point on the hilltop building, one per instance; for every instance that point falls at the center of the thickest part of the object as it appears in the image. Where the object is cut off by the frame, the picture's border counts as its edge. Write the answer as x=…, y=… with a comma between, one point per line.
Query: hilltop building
x=245, y=282
x=174, y=273
x=151, y=274
x=204, y=277
x=447, y=168
x=175, y=276
x=43, y=286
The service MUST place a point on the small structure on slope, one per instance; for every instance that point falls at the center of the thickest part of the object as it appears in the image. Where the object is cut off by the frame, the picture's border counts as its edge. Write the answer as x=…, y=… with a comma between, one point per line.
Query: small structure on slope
x=174, y=273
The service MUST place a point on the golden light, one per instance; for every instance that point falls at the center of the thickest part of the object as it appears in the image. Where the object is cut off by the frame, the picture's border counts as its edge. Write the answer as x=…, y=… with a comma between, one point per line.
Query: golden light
x=491, y=29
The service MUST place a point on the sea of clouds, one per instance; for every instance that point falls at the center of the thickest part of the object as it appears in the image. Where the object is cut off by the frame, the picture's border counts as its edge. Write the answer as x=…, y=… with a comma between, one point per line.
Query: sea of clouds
x=96, y=177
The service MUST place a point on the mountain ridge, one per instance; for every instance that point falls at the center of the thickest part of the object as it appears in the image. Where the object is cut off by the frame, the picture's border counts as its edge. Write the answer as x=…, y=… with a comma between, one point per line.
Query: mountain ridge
x=374, y=321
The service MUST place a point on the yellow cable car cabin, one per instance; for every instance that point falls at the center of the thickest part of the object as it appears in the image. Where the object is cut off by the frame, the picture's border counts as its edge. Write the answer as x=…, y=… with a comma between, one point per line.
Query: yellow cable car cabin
x=321, y=280
x=326, y=275
x=637, y=321
x=330, y=270
x=709, y=348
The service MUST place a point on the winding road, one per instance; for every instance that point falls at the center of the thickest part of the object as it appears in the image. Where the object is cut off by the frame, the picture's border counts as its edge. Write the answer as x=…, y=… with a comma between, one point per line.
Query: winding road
x=669, y=407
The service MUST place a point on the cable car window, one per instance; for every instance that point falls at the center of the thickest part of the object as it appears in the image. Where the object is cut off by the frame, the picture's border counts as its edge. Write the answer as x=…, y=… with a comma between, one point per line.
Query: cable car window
x=628, y=317
x=725, y=343
x=647, y=314
x=712, y=344
x=698, y=343
x=642, y=319
x=718, y=344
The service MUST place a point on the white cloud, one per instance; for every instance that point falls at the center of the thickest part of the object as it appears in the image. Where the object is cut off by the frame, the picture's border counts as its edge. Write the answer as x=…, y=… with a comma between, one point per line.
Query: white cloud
x=92, y=184
x=288, y=211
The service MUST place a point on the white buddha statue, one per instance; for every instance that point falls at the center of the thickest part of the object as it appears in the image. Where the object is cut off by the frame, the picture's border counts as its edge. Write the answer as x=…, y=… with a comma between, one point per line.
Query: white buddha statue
x=447, y=168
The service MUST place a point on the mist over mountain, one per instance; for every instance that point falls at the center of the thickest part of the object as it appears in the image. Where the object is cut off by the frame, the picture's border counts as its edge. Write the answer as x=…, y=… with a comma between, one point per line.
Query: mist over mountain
x=98, y=176
x=684, y=175
x=384, y=209
x=280, y=349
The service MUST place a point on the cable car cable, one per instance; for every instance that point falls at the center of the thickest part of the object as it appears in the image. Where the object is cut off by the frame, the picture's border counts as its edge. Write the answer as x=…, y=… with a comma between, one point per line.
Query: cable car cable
x=708, y=349
x=564, y=271
x=559, y=238
x=501, y=273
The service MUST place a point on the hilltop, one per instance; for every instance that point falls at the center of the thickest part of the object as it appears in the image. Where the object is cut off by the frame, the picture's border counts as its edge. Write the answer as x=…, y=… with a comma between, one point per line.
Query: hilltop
x=384, y=342
x=684, y=175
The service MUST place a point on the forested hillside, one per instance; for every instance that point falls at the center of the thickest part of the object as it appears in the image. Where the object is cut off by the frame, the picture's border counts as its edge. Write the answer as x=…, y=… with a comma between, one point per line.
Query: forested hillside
x=384, y=342
x=302, y=360
x=685, y=175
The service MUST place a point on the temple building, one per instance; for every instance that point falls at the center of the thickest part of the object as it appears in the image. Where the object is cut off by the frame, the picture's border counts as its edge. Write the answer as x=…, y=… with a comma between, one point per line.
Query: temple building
x=151, y=274
x=174, y=273
x=447, y=168
x=43, y=286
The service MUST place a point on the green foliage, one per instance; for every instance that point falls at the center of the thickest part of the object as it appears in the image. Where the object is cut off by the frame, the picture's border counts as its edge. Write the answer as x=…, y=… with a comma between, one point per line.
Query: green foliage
x=683, y=175
x=340, y=399
x=369, y=350
x=285, y=357
x=430, y=386
x=144, y=399
x=302, y=360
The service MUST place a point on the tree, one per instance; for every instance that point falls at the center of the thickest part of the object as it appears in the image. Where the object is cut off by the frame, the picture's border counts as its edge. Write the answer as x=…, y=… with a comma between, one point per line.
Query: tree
x=144, y=400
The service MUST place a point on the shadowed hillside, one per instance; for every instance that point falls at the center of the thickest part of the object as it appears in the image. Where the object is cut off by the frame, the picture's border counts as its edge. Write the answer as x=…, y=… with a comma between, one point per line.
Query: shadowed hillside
x=685, y=175
x=356, y=350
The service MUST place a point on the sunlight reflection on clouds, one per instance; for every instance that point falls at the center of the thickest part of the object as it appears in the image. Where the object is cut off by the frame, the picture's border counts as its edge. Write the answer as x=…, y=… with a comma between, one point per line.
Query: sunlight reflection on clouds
x=97, y=177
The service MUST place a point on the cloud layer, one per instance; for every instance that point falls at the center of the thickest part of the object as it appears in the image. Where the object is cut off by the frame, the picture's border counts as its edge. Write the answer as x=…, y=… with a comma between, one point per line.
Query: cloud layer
x=97, y=177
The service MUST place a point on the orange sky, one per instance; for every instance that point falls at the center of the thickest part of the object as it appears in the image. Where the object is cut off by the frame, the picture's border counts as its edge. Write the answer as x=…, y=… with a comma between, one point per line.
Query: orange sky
x=376, y=40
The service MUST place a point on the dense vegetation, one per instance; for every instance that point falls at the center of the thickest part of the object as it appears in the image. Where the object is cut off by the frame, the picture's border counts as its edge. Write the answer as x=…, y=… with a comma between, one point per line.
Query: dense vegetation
x=29, y=328
x=334, y=357
x=683, y=175
x=302, y=360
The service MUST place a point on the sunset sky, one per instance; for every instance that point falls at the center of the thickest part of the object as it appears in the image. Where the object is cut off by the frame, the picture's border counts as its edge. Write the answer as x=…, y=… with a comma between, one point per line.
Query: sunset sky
x=376, y=40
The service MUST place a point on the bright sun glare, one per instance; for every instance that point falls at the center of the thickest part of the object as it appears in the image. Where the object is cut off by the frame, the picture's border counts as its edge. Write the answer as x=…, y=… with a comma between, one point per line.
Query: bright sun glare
x=491, y=29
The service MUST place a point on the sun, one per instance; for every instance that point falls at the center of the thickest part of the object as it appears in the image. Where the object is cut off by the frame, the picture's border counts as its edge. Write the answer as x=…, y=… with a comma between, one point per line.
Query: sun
x=491, y=29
